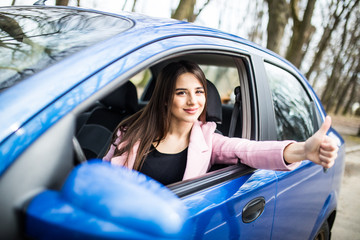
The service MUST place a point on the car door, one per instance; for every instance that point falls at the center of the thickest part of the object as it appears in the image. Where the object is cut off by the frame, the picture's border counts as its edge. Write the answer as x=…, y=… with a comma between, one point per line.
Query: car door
x=236, y=205
x=303, y=193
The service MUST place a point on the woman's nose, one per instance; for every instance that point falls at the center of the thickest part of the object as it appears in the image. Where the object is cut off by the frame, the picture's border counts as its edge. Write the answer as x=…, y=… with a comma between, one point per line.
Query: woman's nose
x=191, y=99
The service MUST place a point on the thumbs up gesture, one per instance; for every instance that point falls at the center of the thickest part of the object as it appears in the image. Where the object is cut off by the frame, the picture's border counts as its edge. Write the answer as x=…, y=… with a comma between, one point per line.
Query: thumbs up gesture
x=320, y=148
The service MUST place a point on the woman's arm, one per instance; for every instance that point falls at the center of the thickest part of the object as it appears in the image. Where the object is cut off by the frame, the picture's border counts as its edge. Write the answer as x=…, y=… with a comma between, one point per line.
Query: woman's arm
x=319, y=148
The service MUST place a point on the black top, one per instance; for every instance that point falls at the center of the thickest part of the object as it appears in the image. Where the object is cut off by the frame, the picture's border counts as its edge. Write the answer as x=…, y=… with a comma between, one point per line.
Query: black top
x=163, y=167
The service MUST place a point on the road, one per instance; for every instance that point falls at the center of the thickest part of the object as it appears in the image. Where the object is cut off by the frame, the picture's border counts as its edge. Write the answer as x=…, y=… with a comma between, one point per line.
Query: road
x=347, y=222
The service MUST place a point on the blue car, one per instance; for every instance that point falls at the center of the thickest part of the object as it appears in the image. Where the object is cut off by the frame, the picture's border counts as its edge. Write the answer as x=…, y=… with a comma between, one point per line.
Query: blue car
x=68, y=76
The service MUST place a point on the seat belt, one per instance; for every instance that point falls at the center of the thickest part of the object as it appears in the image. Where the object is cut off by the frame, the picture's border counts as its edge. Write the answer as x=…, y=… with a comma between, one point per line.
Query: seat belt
x=80, y=156
x=235, y=112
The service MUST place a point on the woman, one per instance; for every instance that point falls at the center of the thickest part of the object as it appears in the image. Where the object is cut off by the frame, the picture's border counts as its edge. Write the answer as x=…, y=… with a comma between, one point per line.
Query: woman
x=170, y=141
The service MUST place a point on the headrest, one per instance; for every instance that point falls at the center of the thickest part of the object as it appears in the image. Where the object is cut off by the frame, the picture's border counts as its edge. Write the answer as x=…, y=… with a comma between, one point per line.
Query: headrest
x=123, y=98
x=213, y=109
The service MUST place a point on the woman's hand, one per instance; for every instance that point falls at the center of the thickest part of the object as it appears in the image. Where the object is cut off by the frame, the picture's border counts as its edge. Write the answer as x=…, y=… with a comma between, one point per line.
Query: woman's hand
x=319, y=148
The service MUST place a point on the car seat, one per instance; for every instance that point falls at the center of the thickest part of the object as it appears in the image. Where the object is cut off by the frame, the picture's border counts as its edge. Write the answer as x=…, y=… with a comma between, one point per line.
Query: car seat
x=213, y=108
x=95, y=134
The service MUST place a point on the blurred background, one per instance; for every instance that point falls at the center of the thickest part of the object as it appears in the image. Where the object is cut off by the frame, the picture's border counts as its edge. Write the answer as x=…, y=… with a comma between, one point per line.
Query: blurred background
x=320, y=37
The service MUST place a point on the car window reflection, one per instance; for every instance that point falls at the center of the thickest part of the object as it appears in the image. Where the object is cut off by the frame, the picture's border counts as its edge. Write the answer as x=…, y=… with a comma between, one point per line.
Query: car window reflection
x=292, y=105
x=32, y=38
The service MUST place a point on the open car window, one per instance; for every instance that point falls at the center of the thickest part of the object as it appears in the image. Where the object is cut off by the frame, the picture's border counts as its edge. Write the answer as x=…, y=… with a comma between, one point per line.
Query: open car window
x=225, y=72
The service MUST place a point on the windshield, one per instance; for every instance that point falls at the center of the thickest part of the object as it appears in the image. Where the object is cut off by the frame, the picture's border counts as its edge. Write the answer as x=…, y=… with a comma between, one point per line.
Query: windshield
x=32, y=38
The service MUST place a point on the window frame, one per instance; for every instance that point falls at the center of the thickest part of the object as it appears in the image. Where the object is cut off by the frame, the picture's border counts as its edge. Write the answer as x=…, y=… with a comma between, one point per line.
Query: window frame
x=227, y=173
x=314, y=112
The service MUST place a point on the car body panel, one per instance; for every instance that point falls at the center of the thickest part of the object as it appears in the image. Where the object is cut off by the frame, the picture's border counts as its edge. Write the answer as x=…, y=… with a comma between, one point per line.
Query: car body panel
x=309, y=182
x=216, y=212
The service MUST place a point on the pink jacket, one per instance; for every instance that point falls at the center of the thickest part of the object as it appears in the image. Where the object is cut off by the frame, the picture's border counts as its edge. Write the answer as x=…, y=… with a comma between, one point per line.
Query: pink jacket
x=207, y=148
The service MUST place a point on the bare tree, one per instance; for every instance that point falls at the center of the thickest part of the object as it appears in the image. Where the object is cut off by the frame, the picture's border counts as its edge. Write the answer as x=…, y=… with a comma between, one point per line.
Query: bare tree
x=302, y=31
x=133, y=6
x=339, y=40
x=338, y=10
x=62, y=2
x=352, y=87
x=124, y=5
x=185, y=10
x=280, y=12
x=278, y=19
x=343, y=80
x=255, y=33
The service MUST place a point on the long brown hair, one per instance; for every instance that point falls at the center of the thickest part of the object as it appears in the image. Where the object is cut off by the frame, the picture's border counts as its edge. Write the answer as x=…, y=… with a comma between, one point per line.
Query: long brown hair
x=151, y=124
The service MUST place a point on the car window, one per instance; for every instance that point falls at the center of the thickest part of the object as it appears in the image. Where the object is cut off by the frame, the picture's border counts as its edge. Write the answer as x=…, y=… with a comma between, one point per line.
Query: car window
x=140, y=80
x=34, y=38
x=225, y=79
x=292, y=105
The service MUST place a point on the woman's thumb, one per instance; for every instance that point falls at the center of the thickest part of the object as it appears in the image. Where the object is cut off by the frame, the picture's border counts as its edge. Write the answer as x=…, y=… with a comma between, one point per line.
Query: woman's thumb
x=325, y=126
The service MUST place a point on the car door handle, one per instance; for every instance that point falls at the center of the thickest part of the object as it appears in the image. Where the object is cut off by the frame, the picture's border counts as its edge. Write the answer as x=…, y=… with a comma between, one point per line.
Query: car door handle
x=253, y=209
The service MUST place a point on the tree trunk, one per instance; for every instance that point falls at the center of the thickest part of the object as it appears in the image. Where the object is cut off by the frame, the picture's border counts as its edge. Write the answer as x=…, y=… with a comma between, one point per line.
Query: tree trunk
x=325, y=38
x=185, y=10
x=350, y=100
x=301, y=32
x=343, y=91
x=329, y=90
x=62, y=2
x=13, y=2
x=133, y=6
x=278, y=18
x=342, y=96
x=256, y=33
x=346, y=56
x=124, y=5
x=353, y=80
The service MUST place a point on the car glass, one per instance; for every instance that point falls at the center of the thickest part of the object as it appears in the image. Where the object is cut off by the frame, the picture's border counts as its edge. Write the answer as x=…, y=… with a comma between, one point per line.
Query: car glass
x=292, y=105
x=33, y=38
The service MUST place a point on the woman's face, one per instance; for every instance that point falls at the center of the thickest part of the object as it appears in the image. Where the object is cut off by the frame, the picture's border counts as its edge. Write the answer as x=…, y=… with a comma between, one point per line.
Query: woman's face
x=189, y=99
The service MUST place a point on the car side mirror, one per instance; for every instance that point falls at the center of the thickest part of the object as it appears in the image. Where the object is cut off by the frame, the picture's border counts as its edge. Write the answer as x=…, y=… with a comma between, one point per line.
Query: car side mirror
x=102, y=201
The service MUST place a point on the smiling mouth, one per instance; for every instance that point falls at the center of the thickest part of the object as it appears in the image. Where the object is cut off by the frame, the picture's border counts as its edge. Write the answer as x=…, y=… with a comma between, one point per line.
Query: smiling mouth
x=191, y=110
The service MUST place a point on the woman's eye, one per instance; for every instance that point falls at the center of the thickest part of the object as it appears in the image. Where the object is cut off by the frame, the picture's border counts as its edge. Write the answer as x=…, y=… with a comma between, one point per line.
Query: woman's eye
x=200, y=92
x=179, y=93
